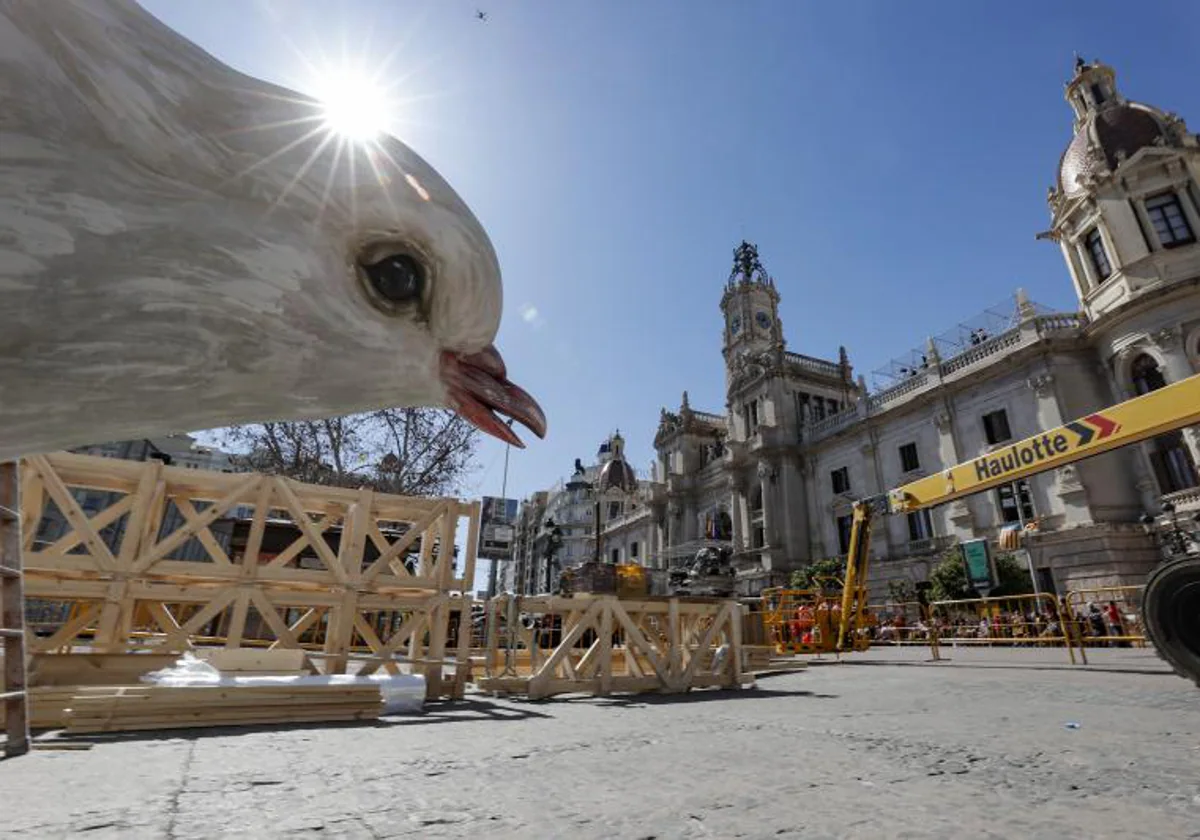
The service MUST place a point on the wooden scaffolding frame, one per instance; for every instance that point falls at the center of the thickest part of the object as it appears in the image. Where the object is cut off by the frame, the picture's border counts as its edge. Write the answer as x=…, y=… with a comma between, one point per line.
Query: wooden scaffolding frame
x=14, y=697
x=603, y=644
x=337, y=587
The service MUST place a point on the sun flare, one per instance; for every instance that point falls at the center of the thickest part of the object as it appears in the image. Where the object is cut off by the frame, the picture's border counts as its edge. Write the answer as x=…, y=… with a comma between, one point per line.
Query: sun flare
x=354, y=106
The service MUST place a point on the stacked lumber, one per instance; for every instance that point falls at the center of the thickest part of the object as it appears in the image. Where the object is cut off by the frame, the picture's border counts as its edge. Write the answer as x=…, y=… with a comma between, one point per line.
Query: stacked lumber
x=63, y=670
x=145, y=707
x=758, y=657
x=47, y=707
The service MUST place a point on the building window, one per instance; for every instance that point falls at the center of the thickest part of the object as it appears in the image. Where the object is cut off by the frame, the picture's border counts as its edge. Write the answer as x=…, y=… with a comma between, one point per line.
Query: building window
x=995, y=427
x=724, y=526
x=844, y=526
x=1170, y=459
x=616, y=556
x=908, y=458
x=920, y=525
x=750, y=411
x=841, y=480
x=1007, y=498
x=633, y=550
x=1095, y=248
x=1170, y=223
x=1146, y=375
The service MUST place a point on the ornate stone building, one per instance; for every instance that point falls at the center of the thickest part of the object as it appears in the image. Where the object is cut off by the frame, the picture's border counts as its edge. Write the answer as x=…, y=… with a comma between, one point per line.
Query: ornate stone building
x=774, y=475
x=556, y=528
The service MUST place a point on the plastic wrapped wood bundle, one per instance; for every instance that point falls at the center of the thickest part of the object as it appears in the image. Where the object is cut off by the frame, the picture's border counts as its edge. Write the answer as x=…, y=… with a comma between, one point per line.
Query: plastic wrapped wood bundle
x=193, y=693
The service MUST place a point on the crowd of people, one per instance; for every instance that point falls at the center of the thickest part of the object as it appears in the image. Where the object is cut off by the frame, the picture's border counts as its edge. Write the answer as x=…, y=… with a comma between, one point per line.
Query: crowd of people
x=1094, y=624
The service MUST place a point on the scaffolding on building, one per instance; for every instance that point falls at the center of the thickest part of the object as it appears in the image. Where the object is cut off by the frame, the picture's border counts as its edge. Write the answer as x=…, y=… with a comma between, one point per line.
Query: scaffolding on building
x=960, y=338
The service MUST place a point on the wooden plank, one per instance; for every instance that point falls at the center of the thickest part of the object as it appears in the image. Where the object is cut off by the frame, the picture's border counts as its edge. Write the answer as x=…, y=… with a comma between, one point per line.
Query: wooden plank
x=246, y=660
x=258, y=525
x=283, y=487
x=70, y=670
x=74, y=515
x=217, y=509
x=142, y=501
x=300, y=543
x=393, y=552
x=69, y=630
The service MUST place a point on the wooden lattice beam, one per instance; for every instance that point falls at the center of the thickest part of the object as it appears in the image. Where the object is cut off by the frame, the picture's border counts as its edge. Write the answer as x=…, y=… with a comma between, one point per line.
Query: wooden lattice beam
x=143, y=579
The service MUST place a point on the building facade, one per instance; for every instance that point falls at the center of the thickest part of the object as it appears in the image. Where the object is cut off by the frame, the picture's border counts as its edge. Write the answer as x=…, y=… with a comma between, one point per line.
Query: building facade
x=774, y=475
x=556, y=528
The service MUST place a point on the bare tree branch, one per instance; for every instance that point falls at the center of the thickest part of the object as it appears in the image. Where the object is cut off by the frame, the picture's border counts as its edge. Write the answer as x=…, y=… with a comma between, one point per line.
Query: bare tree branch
x=408, y=451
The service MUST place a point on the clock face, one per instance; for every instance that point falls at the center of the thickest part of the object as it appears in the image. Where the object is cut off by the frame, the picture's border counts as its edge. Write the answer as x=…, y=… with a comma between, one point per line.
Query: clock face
x=735, y=325
x=763, y=320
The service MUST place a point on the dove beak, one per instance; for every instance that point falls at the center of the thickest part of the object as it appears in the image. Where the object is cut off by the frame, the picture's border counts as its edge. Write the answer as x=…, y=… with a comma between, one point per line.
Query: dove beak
x=478, y=387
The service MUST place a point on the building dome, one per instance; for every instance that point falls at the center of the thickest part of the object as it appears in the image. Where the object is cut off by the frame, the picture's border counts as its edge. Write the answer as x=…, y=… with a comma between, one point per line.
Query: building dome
x=1108, y=127
x=1116, y=132
x=617, y=475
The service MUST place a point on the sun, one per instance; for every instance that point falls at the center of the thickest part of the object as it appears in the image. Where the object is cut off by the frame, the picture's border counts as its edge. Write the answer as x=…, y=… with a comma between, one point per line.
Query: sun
x=354, y=106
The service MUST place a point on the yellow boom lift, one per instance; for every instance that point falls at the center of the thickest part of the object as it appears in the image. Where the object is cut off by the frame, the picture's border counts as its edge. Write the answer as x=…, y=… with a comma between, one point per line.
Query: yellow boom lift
x=1171, y=600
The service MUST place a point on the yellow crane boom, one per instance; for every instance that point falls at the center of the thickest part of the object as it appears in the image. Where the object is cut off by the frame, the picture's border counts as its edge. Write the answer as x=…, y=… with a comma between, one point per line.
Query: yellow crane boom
x=1171, y=610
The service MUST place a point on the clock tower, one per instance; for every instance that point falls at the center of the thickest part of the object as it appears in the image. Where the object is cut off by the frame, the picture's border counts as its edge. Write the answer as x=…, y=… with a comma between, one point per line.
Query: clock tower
x=750, y=305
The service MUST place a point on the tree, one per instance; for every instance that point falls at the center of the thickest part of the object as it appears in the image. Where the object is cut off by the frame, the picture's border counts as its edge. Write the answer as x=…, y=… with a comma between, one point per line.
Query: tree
x=949, y=578
x=805, y=578
x=408, y=451
x=901, y=591
x=1012, y=577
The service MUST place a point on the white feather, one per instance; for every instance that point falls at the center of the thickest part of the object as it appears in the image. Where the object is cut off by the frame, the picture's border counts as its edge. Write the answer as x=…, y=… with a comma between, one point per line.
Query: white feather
x=164, y=266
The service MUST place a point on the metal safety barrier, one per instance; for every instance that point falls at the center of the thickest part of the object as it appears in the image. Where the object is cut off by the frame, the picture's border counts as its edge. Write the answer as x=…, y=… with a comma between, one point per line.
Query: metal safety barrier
x=1009, y=621
x=898, y=623
x=1105, y=616
x=806, y=620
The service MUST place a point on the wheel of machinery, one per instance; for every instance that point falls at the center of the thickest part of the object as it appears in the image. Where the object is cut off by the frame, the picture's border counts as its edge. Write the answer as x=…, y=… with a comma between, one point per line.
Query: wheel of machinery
x=1171, y=614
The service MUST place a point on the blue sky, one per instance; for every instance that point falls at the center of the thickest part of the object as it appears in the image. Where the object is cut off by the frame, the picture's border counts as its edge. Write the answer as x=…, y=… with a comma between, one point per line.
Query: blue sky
x=889, y=159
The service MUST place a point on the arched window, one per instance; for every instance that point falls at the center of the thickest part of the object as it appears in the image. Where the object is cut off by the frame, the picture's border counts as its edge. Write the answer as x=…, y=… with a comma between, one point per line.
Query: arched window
x=1174, y=469
x=1146, y=375
x=724, y=526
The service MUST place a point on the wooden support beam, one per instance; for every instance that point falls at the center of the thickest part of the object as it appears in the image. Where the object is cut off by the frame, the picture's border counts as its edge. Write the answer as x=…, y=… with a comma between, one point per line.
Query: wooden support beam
x=135, y=594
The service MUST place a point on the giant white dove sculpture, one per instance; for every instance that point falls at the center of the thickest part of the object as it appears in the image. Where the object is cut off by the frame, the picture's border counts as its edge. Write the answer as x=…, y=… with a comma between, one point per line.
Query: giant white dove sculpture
x=180, y=249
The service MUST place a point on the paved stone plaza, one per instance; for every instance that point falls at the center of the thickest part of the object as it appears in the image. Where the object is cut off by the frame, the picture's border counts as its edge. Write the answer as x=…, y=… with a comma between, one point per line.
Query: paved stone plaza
x=983, y=746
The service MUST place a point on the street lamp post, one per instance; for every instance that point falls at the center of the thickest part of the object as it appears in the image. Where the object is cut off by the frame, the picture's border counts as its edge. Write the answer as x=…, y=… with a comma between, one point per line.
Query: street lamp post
x=492, y=571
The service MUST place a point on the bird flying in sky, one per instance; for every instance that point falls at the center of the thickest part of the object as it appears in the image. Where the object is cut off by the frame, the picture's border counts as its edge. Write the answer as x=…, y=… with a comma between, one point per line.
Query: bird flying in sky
x=184, y=247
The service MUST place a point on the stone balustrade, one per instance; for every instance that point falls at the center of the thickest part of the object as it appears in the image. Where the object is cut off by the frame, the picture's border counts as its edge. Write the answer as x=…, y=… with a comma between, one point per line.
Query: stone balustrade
x=955, y=367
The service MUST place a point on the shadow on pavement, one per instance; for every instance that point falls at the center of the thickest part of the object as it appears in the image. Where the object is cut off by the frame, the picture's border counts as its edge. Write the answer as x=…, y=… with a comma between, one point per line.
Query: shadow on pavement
x=633, y=701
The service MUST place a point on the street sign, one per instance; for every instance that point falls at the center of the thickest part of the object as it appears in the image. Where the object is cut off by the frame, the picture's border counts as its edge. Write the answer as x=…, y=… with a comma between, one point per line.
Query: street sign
x=978, y=562
x=1140, y=418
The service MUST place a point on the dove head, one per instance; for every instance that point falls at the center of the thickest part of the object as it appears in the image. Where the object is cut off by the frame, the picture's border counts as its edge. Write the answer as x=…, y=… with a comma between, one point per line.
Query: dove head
x=184, y=247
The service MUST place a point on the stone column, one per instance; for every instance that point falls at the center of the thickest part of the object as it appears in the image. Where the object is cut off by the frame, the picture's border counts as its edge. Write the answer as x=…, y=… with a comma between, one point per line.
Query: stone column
x=765, y=471
x=808, y=472
x=1067, y=486
x=737, y=511
x=949, y=453
x=870, y=453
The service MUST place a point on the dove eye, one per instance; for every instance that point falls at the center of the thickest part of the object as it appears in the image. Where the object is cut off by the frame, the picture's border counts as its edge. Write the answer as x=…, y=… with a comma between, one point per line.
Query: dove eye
x=395, y=280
